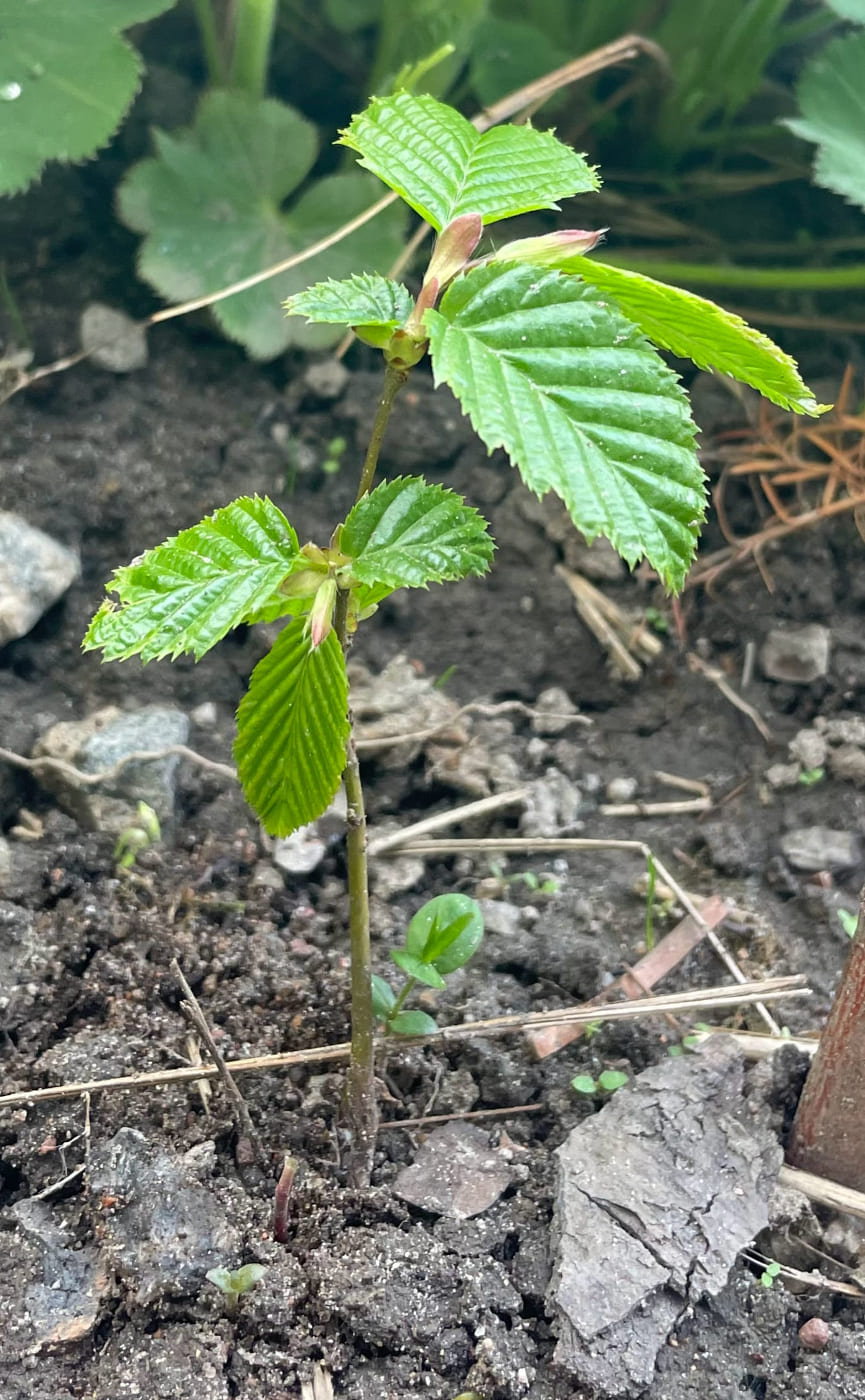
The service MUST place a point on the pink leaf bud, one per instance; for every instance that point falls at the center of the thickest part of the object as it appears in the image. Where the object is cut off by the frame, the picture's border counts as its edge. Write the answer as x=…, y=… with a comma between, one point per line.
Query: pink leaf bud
x=550, y=249
x=454, y=246
x=321, y=615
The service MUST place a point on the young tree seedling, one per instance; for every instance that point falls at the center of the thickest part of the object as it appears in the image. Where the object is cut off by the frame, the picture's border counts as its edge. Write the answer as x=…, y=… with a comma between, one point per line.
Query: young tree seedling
x=553, y=356
x=441, y=937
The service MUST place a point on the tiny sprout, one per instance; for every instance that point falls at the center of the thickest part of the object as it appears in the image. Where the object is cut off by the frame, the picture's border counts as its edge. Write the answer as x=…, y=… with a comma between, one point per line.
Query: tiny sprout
x=657, y=620
x=233, y=1283
x=607, y=1082
x=333, y=456
x=770, y=1273
x=810, y=776
x=848, y=921
x=444, y=933
x=137, y=837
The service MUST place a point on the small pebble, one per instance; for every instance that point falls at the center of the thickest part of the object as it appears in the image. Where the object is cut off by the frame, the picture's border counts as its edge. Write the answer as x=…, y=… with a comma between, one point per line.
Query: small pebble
x=621, y=789
x=205, y=715
x=814, y=1334
x=113, y=340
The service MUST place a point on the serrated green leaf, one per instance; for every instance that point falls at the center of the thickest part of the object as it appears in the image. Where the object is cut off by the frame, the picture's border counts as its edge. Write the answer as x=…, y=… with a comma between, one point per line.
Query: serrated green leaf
x=831, y=95
x=210, y=207
x=407, y=533
x=66, y=79
x=292, y=728
x=412, y=1023
x=547, y=368
x=367, y=302
x=383, y=998
x=443, y=167
x=418, y=969
x=696, y=329
x=446, y=931
x=186, y=594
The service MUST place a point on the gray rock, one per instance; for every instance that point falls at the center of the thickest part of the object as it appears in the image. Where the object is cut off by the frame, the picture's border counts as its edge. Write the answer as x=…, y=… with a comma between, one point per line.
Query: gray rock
x=813, y=848
x=35, y=570
x=177, y=1361
x=552, y=803
x=5, y=862
x=847, y=763
x=113, y=340
x=54, y=1293
x=98, y=743
x=24, y=959
x=549, y=708
x=843, y=729
x=656, y=1194
x=165, y=1230
x=621, y=789
x=455, y=1173
x=398, y=701
x=783, y=775
x=501, y=917
x=797, y=655
x=326, y=378
x=597, y=560
x=205, y=715
x=809, y=747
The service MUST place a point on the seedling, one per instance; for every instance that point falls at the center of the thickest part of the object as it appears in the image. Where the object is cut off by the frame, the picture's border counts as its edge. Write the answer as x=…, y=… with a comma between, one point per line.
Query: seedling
x=549, y=353
x=810, y=776
x=536, y=884
x=138, y=837
x=607, y=1082
x=233, y=1283
x=847, y=921
x=441, y=937
x=770, y=1274
x=333, y=456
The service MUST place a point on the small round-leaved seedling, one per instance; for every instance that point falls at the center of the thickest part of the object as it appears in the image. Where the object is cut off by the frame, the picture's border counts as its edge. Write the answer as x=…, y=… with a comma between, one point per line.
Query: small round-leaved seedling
x=233, y=1283
x=607, y=1082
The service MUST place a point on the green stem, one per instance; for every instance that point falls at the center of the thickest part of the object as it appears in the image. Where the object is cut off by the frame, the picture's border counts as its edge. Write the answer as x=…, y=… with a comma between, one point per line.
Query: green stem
x=253, y=33
x=393, y=381
x=211, y=47
x=782, y=279
x=408, y=986
x=361, y=1104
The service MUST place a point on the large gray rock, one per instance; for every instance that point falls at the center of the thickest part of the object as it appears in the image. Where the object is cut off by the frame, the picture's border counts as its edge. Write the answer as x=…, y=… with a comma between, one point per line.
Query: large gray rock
x=656, y=1195
x=165, y=1229
x=35, y=570
x=813, y=848
x=97, y=744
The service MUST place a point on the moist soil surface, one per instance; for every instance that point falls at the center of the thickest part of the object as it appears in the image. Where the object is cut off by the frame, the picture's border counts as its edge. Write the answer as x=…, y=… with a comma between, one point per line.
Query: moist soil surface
x=391, y=1300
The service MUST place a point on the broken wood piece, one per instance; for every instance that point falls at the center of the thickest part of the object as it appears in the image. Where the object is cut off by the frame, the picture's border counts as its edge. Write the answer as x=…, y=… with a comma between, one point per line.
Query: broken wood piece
x=824, y=1192
x=717, y=677
x=654, y=965
x=588, y=602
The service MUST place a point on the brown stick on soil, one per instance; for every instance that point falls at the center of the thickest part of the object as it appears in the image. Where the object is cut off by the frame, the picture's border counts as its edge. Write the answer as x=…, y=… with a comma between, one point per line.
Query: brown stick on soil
x=828, y=1136
x=242, y=1120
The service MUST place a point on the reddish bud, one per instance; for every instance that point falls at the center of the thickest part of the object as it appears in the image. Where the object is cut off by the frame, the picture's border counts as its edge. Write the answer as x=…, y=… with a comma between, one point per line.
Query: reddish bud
x=551, y=248
x=320, y=619
x=454, y=246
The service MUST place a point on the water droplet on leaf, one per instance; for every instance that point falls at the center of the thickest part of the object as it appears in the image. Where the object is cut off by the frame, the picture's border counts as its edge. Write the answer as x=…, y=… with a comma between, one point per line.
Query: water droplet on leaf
x=9, y=91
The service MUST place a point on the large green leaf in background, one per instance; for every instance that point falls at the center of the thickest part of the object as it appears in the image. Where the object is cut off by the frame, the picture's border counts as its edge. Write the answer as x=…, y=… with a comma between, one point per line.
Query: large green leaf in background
x=210, y=206
x=547, y=368
x=849, y=9
x=443, y=167
x=292, y=728
x=66, y=79
x=831, y=96
x=408, y=533
x=186, y=594
x=698, y=330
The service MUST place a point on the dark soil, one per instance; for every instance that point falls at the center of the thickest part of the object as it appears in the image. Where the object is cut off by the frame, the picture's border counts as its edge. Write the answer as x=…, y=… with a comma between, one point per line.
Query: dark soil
x=393, y=1301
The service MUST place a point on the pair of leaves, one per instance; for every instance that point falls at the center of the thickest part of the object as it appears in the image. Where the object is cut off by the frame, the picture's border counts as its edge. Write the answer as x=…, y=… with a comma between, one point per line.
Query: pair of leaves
x=210, y=207
x=443, y=935
x=66, y=79
x=186, y=594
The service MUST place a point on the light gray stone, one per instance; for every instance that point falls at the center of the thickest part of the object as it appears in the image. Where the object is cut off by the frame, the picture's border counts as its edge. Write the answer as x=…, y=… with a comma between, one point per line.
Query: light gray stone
x=843, y=729
x=552, y=708
x=35, y=570
x=97, y=744
x=783, y=775
x=811, y=848
x=112, y=339
x=847, y=763
x=53, y=1296
x=809, y=747
x=455, y=1173
x=797, y=655
x=326, y=378
x=621, y=789
x=501, y=917
x=551, y=804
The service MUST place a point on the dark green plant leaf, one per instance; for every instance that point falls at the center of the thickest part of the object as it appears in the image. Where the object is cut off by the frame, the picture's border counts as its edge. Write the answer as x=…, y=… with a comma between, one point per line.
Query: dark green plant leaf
x=383, y=998
x=547, y=368
x=292, y=728
x=411, y=30
x=443, y=167
x=412, y=1023
x=66, y=79
x=831, y=96
x=507, y=54
x=186, y=594
x=373, y=305
x=407, y=533
x=698, y=330
x=446, y=931
x=418, y=969
x=210, y=206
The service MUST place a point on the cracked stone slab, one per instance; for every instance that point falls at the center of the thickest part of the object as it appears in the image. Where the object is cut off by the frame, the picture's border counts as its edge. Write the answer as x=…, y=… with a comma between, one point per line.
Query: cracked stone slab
x=54, y=1293
x=656, y=1194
